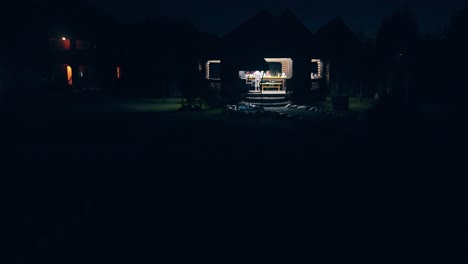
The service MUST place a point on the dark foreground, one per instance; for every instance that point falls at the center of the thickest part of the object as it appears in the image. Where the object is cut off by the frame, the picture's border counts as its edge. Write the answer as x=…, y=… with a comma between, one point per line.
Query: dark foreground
x=144, y=188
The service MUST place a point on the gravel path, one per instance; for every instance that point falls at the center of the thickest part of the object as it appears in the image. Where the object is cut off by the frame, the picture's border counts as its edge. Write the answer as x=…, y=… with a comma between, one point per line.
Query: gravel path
x=306, y=113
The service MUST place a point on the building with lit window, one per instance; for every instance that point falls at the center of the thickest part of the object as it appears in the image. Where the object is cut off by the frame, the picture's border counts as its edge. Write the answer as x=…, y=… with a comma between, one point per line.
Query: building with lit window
x=281, y=48
x=83, y=61
x=63, y=47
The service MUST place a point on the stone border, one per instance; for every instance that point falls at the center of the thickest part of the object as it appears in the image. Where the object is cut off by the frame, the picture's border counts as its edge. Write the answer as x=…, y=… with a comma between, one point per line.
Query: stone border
x=294, y=113
x=314, y=108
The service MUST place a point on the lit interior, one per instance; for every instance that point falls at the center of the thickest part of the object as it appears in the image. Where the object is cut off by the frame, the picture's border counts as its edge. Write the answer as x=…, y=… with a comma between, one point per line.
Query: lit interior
x=273, y=80
x=69, y=75
x=286, y=67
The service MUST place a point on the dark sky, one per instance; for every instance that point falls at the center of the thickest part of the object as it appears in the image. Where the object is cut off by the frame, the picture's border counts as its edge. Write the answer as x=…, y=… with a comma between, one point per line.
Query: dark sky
x=220, y=16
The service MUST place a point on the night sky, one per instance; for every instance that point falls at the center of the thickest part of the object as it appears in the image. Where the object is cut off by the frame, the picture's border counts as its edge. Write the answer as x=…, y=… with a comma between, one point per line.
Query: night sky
x=220, y=16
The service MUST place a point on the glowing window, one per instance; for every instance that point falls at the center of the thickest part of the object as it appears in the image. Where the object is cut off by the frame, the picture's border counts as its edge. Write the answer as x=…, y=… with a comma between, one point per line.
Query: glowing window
x=317, y=69
x=118, y=72
x=213, y=69
x=69, y=75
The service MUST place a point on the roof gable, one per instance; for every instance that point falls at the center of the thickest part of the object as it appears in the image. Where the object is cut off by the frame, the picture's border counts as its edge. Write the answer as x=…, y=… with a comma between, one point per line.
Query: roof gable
x=268, y=34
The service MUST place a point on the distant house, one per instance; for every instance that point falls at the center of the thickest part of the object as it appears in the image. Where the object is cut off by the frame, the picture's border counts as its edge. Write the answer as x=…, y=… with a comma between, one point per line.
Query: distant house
x=78, y=62
x=301, y=65
x=63, y=47
x=81, y=46
x=73, y=61
x=283, y=43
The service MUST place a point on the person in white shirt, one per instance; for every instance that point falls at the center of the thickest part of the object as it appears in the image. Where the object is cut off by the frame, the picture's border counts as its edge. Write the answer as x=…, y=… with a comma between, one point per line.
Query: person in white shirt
x=258, y=78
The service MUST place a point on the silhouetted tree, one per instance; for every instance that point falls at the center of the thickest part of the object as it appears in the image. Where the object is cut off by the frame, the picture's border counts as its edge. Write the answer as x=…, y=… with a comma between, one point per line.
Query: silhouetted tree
x=342, y=53
x=368, y=77
x=458, y=55
x=431, y=72
x=161, y=56
x=396, y=44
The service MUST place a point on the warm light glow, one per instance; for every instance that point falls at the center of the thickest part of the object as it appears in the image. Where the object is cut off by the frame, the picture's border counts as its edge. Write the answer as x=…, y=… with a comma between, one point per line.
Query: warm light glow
x=318, y=74
x=286, y=66
x=69, y=75
x=118, y=72
x=277, y=59
x=64, y=38
x=208, y=67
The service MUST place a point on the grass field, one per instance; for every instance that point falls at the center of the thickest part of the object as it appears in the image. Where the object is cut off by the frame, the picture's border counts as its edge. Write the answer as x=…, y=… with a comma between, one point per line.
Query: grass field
x=355, y=104
x=150, y=182
x=136, y=105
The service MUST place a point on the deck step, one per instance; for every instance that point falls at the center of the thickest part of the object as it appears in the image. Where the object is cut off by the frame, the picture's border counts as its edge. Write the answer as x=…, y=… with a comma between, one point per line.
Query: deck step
x=265, y=98
x=258, y=95
x=269, y=104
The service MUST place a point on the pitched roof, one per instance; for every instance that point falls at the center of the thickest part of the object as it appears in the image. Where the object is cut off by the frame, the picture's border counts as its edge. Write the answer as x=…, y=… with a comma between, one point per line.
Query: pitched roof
x=250, y=27
x=266, y=33
x=335, y=39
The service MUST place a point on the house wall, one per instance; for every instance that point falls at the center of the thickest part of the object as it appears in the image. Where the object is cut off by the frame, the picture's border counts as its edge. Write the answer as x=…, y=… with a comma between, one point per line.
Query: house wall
x=58, y=44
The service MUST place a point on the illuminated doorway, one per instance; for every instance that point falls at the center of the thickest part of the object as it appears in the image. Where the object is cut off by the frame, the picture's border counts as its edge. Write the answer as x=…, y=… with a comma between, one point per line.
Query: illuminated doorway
x=69, y=75
x=118, y=72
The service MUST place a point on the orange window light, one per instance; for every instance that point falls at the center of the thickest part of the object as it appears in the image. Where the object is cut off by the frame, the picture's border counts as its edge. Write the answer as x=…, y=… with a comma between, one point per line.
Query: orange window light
x=69, y=75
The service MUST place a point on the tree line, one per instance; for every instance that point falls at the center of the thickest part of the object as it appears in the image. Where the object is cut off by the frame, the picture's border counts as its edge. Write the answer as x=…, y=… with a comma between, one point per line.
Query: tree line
x=165, y=56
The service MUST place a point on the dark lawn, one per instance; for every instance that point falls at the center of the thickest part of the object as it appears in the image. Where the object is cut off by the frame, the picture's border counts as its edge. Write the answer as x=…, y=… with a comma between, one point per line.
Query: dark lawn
x=356, y=105
x=127, y=187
